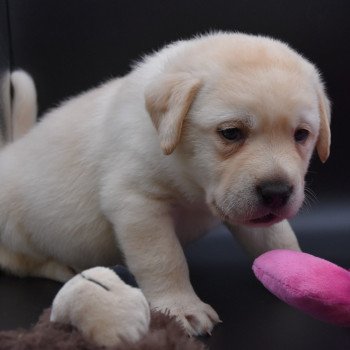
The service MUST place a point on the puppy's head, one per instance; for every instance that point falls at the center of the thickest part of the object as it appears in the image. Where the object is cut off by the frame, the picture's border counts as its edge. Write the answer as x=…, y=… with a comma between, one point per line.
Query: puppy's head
x=244, y=115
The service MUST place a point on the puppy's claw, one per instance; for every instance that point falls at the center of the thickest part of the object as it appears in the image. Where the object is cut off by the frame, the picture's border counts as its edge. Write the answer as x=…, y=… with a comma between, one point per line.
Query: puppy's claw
x=196, y=317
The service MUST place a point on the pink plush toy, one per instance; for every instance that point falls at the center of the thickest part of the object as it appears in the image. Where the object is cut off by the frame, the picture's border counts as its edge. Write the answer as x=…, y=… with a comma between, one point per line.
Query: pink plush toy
x=313, y=285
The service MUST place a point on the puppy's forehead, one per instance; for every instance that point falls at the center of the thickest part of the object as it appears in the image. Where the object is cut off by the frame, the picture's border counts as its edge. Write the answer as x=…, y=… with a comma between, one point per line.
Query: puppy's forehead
x=248, y=75
x=256, y=94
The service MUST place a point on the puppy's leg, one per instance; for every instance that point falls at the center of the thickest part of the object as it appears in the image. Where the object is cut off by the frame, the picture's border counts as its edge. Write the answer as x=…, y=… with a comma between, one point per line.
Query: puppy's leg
x=258, y=240
x=154, y=255
x=24, y=265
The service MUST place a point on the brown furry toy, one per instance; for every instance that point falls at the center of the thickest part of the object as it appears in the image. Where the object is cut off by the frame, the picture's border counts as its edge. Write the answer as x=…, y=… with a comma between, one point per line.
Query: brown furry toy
x=96, y=309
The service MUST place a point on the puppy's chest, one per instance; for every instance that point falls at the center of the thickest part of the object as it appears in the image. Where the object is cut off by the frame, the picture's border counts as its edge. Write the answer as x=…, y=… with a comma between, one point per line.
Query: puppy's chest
x=192, y=221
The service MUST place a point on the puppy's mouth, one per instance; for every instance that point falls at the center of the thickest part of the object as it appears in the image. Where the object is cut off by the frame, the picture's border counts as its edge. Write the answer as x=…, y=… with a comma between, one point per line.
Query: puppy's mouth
x=265, y=220
x=262, y=218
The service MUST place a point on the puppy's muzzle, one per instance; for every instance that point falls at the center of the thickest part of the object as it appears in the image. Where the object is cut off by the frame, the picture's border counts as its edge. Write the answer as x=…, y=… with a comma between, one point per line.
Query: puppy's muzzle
x=274, y=194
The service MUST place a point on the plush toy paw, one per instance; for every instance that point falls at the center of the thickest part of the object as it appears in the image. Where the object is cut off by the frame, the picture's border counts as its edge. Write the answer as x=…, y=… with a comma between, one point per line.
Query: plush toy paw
x=102, y=307
x=313, y=285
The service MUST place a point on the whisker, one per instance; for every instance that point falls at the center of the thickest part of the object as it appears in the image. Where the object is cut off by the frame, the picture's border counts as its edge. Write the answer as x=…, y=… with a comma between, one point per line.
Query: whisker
x=310, y=199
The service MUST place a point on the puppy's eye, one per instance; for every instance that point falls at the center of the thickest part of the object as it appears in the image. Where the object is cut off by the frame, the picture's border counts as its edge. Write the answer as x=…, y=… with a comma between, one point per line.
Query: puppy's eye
x=232, y=134
x=301, y=135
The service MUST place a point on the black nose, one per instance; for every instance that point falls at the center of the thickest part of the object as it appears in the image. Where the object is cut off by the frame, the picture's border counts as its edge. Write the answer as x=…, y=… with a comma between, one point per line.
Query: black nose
x=274, y=194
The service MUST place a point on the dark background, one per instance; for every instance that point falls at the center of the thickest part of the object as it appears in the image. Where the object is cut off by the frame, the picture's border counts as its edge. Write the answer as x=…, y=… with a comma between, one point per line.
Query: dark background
x=72, y=45
x=69, y=46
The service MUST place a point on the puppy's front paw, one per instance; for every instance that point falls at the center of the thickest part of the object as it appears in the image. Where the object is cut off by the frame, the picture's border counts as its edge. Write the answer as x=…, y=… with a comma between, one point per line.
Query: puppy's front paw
x=195, y=316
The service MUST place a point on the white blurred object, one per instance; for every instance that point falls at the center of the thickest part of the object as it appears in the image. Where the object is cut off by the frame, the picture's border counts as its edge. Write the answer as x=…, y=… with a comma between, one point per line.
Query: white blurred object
x=102, y=307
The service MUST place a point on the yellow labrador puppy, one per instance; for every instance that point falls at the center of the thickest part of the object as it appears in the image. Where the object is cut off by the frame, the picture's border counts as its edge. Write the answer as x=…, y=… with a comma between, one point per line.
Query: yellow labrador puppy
x=220, y=127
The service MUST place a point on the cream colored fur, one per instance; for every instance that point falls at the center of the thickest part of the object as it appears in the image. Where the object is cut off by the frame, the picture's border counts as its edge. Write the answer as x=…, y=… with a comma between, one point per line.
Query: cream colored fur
x=24, y=106
x=136, y=167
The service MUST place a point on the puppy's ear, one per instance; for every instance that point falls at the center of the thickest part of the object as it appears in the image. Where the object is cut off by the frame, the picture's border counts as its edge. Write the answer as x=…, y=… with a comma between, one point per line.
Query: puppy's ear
x=168, y=100
x=324, y=137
